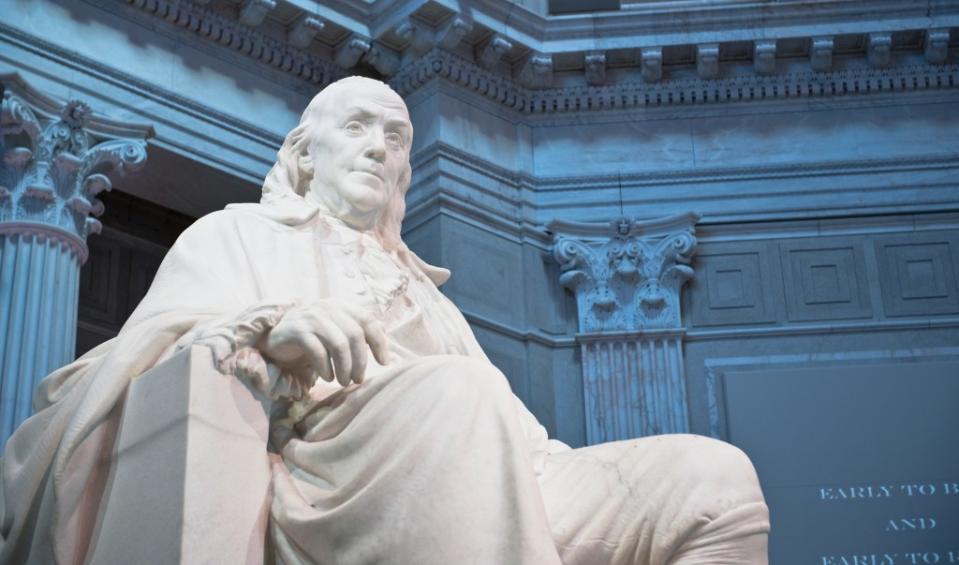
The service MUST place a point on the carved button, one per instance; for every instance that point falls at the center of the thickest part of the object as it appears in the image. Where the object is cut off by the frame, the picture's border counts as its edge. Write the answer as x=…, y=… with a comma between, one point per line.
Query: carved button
x=347, y=250
x=350, y=273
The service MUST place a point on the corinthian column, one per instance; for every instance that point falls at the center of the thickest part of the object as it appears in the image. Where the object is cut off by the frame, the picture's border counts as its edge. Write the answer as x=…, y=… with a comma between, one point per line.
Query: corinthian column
x=55, y=161
x=627, y=277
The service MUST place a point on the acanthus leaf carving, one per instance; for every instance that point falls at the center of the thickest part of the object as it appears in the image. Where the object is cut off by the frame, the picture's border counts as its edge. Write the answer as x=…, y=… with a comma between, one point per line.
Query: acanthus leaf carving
x=54, y=180
x=627, y=275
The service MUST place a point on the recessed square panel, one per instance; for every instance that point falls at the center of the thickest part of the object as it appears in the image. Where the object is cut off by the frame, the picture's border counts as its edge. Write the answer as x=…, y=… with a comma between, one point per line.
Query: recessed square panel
x=727, y=288
x=825, y=283
x=923, y=278
x=918, y=275
x=730, y=288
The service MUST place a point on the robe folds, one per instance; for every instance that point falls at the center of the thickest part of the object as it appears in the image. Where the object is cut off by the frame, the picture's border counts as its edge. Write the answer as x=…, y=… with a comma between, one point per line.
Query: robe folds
x=432, y=460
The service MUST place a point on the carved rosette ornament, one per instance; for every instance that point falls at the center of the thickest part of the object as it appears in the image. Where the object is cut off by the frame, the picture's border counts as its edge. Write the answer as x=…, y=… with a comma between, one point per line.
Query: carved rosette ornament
x=627, y=277
x=56, y=158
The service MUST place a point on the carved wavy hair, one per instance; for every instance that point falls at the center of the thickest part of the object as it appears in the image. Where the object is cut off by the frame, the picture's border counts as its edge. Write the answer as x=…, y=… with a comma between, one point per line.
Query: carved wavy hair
x=289, y=179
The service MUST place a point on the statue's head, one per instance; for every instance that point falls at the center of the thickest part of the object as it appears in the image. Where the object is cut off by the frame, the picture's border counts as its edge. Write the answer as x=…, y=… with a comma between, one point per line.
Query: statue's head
x=350, y=155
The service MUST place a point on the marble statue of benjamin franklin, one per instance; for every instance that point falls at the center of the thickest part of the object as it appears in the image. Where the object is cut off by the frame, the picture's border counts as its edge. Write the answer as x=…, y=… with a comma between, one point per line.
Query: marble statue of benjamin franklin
x=394, y=440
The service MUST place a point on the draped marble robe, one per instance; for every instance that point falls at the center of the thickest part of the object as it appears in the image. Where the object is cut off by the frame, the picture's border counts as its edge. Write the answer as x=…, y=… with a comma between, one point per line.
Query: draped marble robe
x=432, y=460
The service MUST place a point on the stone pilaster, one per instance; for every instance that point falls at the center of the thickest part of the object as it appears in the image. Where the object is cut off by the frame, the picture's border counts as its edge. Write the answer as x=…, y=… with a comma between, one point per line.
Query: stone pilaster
x=56, y=158
x=627, y=277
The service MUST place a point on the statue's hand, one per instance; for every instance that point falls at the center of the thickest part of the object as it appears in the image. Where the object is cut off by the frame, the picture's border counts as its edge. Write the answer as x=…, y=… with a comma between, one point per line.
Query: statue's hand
x=328, y=339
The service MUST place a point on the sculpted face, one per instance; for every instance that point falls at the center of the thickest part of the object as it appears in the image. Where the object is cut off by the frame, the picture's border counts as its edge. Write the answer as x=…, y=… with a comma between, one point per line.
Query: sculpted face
x=360, y=150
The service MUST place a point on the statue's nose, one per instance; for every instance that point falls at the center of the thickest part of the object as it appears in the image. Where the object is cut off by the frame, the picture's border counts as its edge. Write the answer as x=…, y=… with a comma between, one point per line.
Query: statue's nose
x=376, y=148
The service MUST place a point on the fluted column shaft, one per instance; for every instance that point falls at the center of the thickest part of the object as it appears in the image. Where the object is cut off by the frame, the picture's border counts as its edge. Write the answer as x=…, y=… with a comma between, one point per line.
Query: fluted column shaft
x=39, y=282
x=633, y=385
x=56, y=158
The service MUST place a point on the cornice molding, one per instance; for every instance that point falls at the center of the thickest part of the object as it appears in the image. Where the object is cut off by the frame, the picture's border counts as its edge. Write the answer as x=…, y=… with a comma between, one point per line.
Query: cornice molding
x=242, y=38
x=656, y=23
x=372, y=33
x=442, y=65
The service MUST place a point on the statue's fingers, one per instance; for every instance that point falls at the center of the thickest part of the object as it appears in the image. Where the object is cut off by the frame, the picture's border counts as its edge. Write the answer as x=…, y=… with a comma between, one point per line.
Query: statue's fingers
x=318, y=357
x=357, y=343
x=375, y=334
x=338, y=346
x=379, y=344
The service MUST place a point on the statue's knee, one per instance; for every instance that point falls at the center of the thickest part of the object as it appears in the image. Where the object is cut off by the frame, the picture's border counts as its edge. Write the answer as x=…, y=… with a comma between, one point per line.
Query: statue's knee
x=713, y=466
x=733, y=467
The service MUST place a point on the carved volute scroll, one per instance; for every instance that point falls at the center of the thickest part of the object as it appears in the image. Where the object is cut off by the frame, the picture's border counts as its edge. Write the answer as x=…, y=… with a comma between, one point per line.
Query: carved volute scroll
x=627, y=277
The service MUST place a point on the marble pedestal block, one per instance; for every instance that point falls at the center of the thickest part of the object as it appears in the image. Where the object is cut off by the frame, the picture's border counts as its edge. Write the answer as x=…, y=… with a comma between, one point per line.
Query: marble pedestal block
x=190, y=476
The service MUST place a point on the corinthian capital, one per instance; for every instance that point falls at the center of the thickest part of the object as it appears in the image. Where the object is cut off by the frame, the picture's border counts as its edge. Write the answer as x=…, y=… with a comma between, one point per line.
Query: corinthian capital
x=626, y=275
x=56, y=160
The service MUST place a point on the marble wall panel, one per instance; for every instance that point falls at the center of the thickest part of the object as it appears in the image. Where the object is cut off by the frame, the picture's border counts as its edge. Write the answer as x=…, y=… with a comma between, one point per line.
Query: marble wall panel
x=825, y=279
x=425, y=241
x=919, y=274
x=509, y=356
x=734, y=284
x=746, y=137
x=487, y=272
x=541, y=399
x=426, y=121
x=605, y=148
x=483, y=134
x=570, y=410
x=869, y=131
x=554, y=308
x=819, y=422
x=756, y=193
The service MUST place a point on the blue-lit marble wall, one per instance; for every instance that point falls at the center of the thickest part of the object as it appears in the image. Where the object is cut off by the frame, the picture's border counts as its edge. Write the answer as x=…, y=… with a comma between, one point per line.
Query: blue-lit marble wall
x=823, y=319
x=791, y=195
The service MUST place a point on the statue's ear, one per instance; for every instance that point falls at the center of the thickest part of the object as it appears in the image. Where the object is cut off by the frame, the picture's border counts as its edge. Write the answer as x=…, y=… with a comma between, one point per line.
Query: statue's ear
x=305, y=163
x=303, y=171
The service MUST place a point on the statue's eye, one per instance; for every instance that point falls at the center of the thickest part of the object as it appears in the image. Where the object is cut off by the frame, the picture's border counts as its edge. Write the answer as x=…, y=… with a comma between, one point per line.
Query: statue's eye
x=394, y=139
x=354, y=127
